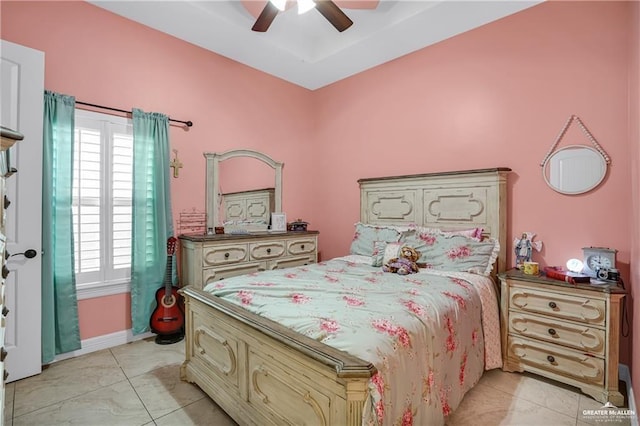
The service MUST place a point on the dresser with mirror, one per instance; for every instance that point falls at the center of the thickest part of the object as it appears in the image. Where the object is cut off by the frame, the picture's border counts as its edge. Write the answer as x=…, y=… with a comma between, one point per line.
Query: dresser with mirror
x=246, y=244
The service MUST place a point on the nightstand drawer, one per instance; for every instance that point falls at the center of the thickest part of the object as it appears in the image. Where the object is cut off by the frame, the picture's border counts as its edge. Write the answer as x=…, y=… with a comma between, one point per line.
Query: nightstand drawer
x=574, y=308
x=558, y=360
x=221, y=255
x=581, y=337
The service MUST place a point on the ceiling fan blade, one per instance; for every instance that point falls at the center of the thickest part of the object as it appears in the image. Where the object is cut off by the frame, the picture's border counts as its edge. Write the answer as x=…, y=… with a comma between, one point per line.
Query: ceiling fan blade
x=333, y=14
x=266, y=17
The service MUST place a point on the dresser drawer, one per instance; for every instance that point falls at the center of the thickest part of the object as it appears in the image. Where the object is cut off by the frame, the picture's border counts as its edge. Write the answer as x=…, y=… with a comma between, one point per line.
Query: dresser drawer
x=553, y=358
x=266, y=250
x=216, y=274
x=301, y=246
x=224, y=254
x=292, y=261
x=581, y=337
x=574, y=308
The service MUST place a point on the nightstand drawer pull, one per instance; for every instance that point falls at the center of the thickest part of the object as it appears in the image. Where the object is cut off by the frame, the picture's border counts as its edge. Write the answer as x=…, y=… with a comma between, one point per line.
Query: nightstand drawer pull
x=553, y=305
x=302, y=247
x=551, y=359
x=226, y=255
x=268, y=250
x=552, y=332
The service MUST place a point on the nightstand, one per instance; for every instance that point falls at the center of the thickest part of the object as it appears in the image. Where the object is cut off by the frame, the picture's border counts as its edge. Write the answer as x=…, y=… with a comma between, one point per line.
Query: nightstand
x=566, y=332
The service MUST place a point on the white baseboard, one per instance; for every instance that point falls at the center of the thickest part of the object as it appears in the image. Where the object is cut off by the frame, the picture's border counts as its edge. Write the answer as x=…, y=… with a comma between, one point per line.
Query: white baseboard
x=625, y=376
x=106, y=341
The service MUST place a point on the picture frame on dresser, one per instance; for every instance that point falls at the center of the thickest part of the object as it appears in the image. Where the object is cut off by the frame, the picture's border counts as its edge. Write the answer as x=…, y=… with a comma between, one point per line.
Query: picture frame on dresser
x=278, y=222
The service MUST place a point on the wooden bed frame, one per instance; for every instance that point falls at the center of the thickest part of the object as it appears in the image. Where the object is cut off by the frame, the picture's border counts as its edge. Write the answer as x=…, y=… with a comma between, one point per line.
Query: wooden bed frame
x=262, y=373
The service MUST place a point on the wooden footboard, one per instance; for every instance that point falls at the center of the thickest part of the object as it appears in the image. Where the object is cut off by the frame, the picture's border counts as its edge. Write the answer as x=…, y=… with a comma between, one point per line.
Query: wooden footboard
x=262, y=373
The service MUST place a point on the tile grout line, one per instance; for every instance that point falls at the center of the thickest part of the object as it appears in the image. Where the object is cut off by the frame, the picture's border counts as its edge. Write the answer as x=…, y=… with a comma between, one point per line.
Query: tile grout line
x=13, y=416
x=132, y=386
x=13, y=403
x=538, y=404
x=153, y=419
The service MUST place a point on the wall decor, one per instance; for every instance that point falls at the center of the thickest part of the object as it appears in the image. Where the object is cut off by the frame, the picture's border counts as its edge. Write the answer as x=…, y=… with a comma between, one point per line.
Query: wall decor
x=575, y=169
x=175, y=163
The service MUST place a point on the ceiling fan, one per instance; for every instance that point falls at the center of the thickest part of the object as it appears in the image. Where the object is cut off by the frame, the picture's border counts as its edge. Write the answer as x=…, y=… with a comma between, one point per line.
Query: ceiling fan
x=327, y=8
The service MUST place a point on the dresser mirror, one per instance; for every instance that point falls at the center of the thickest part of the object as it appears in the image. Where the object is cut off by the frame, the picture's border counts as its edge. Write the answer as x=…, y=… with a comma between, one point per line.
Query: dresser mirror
x=234, y=165
x=574, y=169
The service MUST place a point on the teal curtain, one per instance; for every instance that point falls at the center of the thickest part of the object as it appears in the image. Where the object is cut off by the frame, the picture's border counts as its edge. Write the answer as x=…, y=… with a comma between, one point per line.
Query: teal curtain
x=152, y=219
x=60, y=329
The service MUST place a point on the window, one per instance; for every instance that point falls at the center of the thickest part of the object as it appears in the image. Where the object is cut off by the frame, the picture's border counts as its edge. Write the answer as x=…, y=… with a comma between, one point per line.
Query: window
x=102, y=188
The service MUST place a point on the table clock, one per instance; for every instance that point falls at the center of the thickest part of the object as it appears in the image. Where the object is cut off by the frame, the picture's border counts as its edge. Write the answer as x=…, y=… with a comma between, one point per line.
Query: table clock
x=599, y=262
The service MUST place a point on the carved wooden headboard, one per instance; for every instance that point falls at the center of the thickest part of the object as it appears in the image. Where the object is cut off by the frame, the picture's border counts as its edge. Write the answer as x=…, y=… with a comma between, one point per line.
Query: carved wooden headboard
x=448, y=200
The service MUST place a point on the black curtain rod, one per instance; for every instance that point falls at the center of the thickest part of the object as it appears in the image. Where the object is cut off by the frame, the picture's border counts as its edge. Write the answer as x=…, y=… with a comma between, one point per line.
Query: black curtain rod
x=187, y=123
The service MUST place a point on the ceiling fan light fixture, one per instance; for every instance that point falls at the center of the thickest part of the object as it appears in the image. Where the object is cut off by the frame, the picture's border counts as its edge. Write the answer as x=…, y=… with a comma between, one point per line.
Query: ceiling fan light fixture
x=279, y=4
x=305, y=5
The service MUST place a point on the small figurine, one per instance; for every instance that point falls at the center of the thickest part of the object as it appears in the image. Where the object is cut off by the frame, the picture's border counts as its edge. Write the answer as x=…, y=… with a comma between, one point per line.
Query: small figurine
x=524, y=247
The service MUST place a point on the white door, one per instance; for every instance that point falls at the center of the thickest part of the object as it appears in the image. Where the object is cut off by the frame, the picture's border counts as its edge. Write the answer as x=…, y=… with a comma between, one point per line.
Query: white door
x=21, y=94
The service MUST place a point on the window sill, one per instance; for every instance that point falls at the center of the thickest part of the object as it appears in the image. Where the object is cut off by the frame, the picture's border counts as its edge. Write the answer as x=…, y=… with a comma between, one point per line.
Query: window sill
x=101, y=289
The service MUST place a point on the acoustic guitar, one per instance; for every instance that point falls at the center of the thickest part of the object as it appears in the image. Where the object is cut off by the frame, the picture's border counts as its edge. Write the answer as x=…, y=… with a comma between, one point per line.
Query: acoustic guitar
x=167, y=319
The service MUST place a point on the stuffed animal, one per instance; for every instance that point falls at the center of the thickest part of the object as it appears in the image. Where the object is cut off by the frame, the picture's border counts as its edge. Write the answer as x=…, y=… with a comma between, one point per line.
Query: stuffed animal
x=405, y=263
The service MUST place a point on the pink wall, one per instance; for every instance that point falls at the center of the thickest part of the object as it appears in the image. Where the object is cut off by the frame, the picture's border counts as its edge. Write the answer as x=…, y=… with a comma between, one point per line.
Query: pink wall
x=634, y=141
x=102, y=58
x=104, y=315
x=495, y=96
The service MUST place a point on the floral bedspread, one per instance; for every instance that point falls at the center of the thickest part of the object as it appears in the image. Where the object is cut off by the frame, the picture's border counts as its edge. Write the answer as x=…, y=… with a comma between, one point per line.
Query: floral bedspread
x=423, y=332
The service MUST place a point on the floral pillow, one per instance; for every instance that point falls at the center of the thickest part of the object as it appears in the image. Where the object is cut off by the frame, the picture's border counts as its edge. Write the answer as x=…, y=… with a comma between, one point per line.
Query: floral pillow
x=366, y=235
x=475, y=233
x=453, y=252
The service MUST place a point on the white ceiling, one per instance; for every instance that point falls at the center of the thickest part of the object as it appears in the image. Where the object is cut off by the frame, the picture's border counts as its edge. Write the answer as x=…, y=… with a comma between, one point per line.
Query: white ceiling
x=306, y=49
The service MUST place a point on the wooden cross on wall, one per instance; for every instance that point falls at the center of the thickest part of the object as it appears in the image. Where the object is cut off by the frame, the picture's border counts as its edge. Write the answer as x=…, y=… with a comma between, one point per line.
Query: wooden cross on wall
x=176, y=164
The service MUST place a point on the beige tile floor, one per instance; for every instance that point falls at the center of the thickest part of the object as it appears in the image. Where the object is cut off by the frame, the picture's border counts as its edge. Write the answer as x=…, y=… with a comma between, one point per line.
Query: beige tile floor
x=139, y=384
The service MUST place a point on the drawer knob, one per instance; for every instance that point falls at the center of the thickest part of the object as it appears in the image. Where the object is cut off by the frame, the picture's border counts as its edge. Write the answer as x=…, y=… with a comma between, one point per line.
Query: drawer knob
x=552, y=332
x=226, y=255
x=302, y=247
x=268, y=250
x=553, y=305
x=551, y=359
x=3, y=354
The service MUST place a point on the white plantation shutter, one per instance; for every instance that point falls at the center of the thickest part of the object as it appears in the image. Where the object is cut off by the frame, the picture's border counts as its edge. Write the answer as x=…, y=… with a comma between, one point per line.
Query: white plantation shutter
x=122, y=185
x=86, y=199
x=102, y=185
